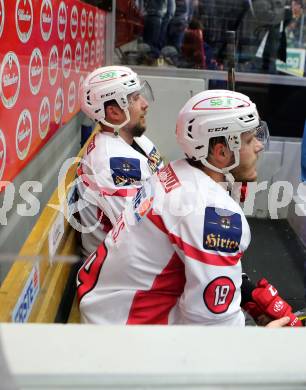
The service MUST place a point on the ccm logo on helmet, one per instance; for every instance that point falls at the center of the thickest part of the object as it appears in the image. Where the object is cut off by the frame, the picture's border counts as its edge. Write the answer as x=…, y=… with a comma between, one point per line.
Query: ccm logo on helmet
x=217, y=129
x=108, y=94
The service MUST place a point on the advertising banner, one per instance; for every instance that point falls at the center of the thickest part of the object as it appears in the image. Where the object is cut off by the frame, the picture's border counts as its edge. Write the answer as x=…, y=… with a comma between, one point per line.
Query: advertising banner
x=47, y=47
x=295, y=64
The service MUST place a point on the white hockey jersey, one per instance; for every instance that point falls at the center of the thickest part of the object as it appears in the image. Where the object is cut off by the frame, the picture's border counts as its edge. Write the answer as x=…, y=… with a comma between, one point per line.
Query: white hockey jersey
x=173, y=257
x=109, y=176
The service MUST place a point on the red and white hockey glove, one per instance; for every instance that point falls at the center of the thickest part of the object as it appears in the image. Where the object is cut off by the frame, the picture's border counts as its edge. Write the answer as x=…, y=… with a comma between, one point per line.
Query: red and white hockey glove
x=267, y=301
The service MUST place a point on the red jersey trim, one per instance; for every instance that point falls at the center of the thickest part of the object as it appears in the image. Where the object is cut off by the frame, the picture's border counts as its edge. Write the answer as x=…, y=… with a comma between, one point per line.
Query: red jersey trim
x=123, y=192
x=88, y=274
x=104, y=221
x=91, y=146
x=191, y=251
x=153, y=306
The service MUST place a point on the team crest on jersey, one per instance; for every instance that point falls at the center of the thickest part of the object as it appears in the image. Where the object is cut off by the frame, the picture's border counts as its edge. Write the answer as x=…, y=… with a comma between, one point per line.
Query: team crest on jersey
x=142, y=203
x=222, y=230
x=154, y=160
x=125, y=171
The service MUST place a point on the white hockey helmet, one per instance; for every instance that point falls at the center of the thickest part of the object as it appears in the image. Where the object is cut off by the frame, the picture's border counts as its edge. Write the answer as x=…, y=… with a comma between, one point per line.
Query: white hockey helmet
x=216, y=113
x=111, y=83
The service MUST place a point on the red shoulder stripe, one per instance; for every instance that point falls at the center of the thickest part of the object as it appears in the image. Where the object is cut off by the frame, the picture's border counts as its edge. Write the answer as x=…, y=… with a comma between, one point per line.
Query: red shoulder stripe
x=191, y=251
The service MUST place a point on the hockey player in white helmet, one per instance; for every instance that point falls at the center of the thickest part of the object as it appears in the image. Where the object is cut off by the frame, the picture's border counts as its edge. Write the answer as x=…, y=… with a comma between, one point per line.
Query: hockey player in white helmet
x=174, y=256
x=223, y=114
x=119, y=158
x=117, y=83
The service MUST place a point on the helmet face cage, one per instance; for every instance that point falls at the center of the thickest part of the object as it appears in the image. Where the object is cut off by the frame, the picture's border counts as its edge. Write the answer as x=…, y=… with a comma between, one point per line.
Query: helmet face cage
x=145, y=92
x=215, y=113
x=262, y=133
x=105, y=84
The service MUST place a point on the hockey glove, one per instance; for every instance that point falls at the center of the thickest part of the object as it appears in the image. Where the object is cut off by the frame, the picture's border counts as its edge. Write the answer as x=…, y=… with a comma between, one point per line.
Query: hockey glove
x=265, y=300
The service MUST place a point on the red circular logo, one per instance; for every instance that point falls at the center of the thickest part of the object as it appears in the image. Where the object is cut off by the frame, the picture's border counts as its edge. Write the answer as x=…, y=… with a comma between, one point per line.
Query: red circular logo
x=81, y=82
x=10, y=79
x=66, y=61
x=74, y=22
x=35, y=71
x=46, y=19
x=101, y=25
x=58, y=106
x=78, y=57
x=53, y=65
x=44, y=117
x=62, y=21
x=90, y=24
x=71, y=97
x=83, y=23
x=98, y=51
x=23, y=134
x=2, y=16
x=96, y=25
x=92, y=53
x=86, y=55
x=218, y=294
x=2, y=154
x=24, y=19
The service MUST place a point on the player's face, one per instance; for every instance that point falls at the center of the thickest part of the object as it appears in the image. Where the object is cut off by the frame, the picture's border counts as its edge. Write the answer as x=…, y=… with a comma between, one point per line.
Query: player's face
x=138, y=110
x=250, y=147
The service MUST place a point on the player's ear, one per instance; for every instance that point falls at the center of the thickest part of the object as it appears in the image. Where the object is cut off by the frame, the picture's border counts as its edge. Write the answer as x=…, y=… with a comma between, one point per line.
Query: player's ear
x=114, y=113
x=221, y=153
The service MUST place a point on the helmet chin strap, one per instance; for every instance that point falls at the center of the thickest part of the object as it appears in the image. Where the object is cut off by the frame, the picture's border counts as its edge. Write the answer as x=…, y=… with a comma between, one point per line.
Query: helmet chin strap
x=225, y=171
x=229, y=178
x=116, y=130
x=117, y=127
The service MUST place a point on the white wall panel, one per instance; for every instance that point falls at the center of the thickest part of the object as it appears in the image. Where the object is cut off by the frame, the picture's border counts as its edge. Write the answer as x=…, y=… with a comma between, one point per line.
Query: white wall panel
x=170, y=96
x=154, y=357
x=280, y=163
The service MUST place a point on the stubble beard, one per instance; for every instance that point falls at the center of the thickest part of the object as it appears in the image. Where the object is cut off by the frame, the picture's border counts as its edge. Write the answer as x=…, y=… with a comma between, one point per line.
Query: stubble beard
x=138, y=130
x=243, y=177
